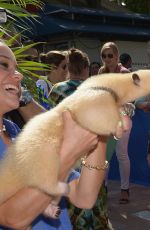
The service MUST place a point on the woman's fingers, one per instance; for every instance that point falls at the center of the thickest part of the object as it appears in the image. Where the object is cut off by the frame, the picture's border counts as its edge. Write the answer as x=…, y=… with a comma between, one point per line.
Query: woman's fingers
x=123, y=124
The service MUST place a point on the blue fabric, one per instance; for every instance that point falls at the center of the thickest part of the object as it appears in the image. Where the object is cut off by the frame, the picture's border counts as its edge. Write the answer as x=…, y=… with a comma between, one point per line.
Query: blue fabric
x=42, y=223
x=12, y=129
x=2, y=148
x=138, y=142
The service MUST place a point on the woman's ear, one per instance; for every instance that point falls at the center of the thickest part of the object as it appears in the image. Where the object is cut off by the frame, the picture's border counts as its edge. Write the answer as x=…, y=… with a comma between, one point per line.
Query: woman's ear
x=136, y=79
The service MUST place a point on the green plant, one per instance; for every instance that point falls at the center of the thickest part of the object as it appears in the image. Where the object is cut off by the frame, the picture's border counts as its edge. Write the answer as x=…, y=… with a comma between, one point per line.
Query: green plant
x=17, y=13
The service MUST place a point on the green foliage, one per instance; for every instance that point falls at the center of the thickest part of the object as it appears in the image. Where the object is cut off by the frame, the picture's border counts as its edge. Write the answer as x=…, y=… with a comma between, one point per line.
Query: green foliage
x=21, y=3
x=16, y=12
x=29, y=68
x=18, y=7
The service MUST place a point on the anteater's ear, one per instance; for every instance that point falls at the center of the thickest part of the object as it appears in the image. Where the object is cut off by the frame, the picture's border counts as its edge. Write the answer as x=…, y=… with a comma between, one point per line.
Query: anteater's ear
x=136, y=79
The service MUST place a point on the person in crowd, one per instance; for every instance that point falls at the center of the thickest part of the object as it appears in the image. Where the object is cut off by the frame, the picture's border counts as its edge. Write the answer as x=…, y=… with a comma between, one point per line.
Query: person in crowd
x=110, y=59
x=94, y=68
x=78, y=67
x=32, y=54
x=58, y=71
x=27, y=204
x=126, y=61
x=111, y=64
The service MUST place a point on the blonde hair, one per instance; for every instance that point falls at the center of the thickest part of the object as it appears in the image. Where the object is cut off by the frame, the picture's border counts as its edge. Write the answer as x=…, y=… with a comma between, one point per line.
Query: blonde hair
x=110, y=45
x=114, y=48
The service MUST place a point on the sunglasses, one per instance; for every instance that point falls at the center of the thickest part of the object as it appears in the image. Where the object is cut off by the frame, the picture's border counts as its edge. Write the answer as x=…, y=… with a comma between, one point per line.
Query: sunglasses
x=110, y=56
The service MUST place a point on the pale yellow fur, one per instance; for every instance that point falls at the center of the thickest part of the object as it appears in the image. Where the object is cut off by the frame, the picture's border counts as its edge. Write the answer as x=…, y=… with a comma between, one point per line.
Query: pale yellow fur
x=33, y=159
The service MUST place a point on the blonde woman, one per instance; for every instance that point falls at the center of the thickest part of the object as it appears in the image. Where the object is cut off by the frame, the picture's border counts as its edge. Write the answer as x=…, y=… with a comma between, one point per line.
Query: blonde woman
x=110, y=59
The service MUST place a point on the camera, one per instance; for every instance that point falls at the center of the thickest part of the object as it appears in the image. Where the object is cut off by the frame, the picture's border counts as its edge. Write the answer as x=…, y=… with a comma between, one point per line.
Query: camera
x=3, y=15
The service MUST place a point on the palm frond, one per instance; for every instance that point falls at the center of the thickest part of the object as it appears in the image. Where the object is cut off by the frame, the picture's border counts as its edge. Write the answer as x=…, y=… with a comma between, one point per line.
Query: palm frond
x=23, y=3
x=19, y=17
x=25, y=48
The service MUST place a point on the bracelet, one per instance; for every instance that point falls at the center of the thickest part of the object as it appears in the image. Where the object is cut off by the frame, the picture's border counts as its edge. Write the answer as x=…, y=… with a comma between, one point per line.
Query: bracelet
x=103, y=167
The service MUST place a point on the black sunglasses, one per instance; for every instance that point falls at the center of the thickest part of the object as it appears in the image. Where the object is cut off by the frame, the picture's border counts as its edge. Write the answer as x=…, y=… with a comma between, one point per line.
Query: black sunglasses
x=107, y=55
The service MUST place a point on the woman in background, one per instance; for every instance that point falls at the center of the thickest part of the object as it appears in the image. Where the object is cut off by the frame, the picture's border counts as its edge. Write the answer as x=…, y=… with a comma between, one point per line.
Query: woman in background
x=57, y=62
x=78, y=71
x=110, y=59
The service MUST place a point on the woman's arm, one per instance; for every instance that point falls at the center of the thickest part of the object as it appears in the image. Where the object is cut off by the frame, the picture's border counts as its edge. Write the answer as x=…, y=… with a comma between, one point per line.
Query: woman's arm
x=76, y=137
x=21, y=209
x=84, y=191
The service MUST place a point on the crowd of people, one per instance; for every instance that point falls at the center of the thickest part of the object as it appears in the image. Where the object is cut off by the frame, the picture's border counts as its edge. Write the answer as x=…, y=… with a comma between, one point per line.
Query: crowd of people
x=85, y=207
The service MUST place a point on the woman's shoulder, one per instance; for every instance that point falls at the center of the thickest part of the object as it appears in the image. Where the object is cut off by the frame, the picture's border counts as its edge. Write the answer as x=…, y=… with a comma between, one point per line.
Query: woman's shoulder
x=11, y=128
x=60, y=87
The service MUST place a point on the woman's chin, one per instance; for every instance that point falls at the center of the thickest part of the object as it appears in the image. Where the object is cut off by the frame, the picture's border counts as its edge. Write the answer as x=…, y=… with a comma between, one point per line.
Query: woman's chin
x=14, y=106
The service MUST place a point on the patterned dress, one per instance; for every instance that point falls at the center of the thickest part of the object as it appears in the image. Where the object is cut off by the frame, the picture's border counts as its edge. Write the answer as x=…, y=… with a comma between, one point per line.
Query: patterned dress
x=63, y=89
x=43, y=88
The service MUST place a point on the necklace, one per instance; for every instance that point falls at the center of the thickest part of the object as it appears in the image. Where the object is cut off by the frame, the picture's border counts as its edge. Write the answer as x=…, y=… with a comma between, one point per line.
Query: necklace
x=3, y=129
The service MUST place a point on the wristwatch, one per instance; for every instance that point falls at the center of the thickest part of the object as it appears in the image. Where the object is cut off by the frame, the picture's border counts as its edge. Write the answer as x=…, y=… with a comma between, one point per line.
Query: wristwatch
x=26, y=97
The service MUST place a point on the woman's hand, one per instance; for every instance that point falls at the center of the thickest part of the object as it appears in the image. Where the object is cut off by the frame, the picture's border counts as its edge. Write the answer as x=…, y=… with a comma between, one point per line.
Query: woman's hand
x=76, y=143
x=77, y=140
x=123, y=124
